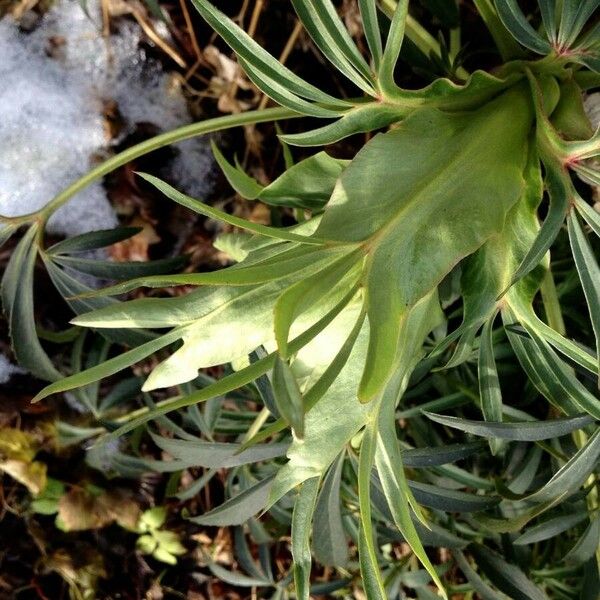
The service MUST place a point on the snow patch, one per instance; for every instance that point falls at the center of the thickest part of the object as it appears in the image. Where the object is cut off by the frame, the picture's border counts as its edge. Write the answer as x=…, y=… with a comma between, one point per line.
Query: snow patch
x=7, y=369
x=51, y=124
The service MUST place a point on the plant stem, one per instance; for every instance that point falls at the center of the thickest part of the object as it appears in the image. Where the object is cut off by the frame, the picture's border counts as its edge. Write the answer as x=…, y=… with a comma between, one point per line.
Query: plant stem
x=159, y=141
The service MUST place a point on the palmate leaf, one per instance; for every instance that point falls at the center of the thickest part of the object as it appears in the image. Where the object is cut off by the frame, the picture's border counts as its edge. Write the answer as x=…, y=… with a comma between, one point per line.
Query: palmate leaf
x=413, y=205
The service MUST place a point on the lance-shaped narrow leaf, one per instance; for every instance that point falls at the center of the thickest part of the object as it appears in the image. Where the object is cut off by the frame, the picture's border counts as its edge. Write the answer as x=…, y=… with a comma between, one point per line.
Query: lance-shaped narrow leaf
x=329, y=34
x=529, y=431
x=515, y=21
x=330, y=546
x=238, y=509
x=302, y=517
x=17, y=300
x=589, y=272
x=368, y=13
x=288, y=397
x=489, y=384
x=392, y=49
x=307, y=184
x=574, y=15
x=507, y=577
x=259, y=59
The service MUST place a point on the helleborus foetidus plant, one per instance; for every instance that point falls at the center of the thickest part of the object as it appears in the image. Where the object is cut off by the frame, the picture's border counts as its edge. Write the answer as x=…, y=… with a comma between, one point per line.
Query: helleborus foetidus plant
x=471, y=180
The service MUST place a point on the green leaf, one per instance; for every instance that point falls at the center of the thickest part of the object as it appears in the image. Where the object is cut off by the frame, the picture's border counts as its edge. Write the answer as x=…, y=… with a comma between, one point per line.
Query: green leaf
x=549, y=17
x=571, y=476
x=17, y=299
x=367, y=553
x=369, y=569
x=326, y=435
x=331, y=37
x=120, y=270
x=331, y=373
x=237, y=579
x=243, y=184
x=530, y=431
x=479, y=585
x=304, y=508
x=217, y=455
x=291, y=261
x=516, y=22
x=308, y=184
x=238, y=509
x=391, y=52
x=6, y=232
x=256, y=56
x=288, y=398
x=110, y=367
x=448, y=500
x=589, y=273
x=309, y=291
x=229, y=383
x=592, y=217
x=587, y=545
x=213, y=213
x=330, y=546
x=551, y=375
x=574, y=16
x=368, y=13
x=411, y=203
x=439, y=455
x=72, y=289
x=359, y=119
x=506, y=44
x=560, y=193
x=281, y=94
x=506, y=577
x=93, y=240
x=396, y=488
x=489, y=384
x=549, y=529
